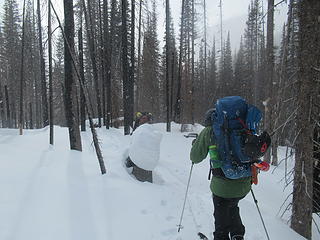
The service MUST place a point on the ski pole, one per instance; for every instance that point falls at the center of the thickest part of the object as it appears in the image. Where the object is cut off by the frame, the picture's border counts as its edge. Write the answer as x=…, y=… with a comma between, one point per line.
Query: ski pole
x=256, y=202
x=185, y=198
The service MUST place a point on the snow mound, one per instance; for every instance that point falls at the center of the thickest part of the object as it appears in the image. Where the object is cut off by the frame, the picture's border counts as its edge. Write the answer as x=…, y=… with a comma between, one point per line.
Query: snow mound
x=144, y=150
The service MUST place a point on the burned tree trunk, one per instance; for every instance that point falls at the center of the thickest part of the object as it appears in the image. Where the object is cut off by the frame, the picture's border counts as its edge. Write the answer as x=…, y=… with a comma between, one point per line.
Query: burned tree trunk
x=9, y=118
x=125, y=73
x=44, y=100
x=309, y=74
x=21, y=117
x=167, y=67
x=132, y=66
x=70, y=97
x=177, y=106
x=50, y=74
x=81, y=68
x=270, y=77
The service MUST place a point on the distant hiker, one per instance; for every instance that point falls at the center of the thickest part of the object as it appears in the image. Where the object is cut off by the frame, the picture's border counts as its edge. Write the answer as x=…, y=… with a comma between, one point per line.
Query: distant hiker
x=141, y=118
x=234, y=149
x=144, y=151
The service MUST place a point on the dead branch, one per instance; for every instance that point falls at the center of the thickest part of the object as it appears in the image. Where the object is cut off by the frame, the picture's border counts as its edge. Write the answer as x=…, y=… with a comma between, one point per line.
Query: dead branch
x=284, y=203
x=87, y=100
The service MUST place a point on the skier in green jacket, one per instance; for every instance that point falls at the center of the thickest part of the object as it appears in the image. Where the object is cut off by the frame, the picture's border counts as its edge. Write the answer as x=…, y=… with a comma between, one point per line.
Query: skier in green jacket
x=226, y=193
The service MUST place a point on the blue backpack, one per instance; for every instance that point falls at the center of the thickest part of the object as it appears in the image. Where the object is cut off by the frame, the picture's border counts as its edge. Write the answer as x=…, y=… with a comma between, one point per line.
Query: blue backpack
x=233, y=120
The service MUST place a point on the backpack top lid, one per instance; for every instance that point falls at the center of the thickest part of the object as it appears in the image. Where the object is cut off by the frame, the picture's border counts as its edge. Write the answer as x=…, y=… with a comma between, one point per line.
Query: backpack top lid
x=231, y=109
x=237, y=112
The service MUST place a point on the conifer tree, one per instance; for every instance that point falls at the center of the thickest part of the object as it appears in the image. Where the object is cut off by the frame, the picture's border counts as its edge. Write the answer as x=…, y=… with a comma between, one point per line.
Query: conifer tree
x=168, y=71
x=11, y=44
x=252, y=38
x=212, y=76
x=240, y=72
x=188, y=33
x=44, y=98
x=149, y=82
x=58, y=83
x=287, y=68
x=31, y=69
x=226, y=70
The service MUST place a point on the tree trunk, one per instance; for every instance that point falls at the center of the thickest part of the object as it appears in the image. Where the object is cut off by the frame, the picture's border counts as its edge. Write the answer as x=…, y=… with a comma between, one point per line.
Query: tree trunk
x=50, y=74
x=44, y=99
x=70, y=97
x=125, y=77
x=177, y=107
x=9, y=118
x=270, y=79
x=21, y=117
x=167, y=66
x=192, y=62
x=81, y=68
x=2, y=115
x=109, y=63
x=31, y=118
x=139, y=57
x=102, y=55
x=106, y=65
x=132, y=67
x=309, y=62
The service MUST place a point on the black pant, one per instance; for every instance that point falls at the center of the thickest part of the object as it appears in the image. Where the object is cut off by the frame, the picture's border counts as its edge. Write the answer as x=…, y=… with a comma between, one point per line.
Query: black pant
x=228, y=222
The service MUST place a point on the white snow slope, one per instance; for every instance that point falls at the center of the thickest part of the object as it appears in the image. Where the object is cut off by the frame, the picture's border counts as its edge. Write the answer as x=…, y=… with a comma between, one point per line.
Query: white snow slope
x=52, y=193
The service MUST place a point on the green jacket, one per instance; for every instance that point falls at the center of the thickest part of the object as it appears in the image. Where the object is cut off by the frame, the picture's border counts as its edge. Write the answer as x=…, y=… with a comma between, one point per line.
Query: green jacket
x=220, y=186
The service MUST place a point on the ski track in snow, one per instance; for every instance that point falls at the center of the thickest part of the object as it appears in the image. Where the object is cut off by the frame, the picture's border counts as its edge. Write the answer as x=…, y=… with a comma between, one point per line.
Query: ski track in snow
x=50, y=192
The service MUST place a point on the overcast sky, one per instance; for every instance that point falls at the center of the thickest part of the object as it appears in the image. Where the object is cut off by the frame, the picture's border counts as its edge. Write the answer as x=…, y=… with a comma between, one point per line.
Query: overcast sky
x=234, y=17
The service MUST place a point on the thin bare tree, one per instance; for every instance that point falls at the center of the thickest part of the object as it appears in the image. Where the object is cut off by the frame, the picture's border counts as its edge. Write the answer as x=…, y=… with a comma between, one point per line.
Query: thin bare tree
x=50, y=73
x=21, y=116
x=44, y=99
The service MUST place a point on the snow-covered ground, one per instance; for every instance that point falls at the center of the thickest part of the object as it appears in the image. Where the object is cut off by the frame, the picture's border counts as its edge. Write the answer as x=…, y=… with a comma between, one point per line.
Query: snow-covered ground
x=52, y=193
